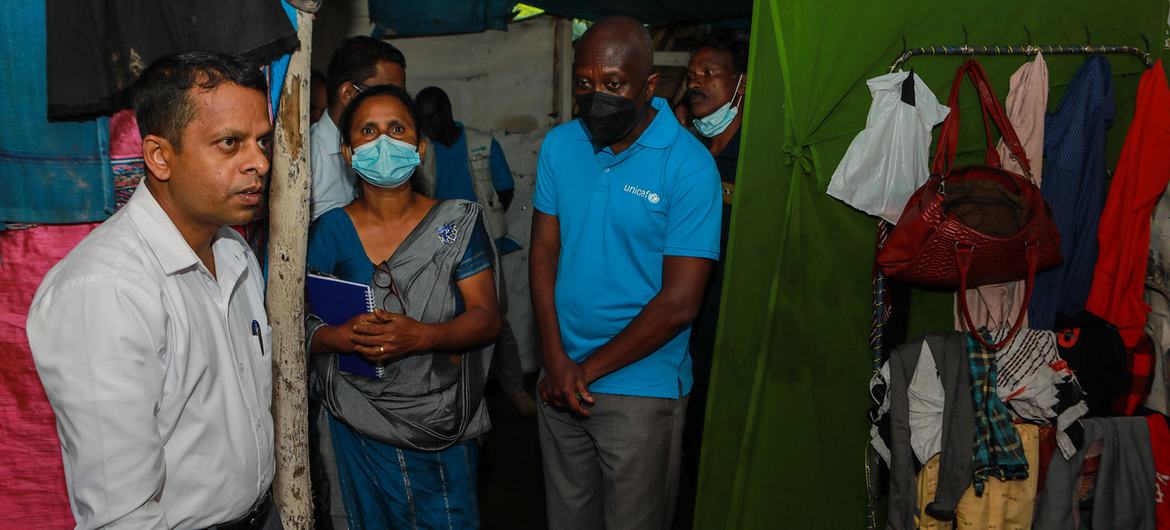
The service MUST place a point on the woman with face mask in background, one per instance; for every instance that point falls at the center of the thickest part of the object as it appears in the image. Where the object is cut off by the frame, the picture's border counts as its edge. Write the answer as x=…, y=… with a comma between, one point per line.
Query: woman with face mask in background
x=401, y=388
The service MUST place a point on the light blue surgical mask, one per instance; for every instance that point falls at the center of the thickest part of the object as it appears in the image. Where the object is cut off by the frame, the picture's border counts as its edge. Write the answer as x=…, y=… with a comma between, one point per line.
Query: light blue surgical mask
x=712, y=124
x=386, y=162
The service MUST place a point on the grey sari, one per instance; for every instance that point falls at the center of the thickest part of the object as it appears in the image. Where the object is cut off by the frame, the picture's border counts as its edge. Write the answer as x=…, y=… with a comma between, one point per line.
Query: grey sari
x=425, y=400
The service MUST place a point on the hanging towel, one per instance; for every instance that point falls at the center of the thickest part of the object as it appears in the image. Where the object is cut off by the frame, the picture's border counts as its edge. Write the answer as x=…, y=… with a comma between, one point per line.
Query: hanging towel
x=887, y=161
x=1124, y=232
x=49, y=172
x=1074, y=145
x=996, y=306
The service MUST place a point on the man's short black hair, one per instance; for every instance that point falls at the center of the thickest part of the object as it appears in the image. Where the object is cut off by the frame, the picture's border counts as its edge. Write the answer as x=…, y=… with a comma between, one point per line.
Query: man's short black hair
x=356, y=59
x=162, y=102
x=734, y=43
x=346, y=122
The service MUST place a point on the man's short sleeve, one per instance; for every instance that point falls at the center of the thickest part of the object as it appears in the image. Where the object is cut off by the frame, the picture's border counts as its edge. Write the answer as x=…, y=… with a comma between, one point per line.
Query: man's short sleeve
x=545, y=198
x=694, y=213
x=501, y=173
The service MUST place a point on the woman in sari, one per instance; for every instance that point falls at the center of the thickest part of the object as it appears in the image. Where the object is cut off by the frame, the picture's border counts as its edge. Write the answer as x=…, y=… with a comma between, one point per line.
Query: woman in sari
x=401, y=388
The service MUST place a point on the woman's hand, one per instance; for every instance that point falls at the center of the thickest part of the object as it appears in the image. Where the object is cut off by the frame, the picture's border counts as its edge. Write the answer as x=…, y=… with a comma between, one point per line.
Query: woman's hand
x=387, y=335
x=340, y=338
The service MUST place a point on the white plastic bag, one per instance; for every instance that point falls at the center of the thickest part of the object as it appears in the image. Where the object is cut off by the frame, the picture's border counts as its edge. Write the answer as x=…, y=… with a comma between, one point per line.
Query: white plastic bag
x=887, y=161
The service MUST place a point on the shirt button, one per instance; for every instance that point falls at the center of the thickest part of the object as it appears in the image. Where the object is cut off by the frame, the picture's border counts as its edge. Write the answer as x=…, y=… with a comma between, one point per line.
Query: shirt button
x=606, y=170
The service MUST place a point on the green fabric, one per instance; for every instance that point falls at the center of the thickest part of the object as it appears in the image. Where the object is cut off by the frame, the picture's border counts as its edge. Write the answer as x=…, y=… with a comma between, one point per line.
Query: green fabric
x=786, y=426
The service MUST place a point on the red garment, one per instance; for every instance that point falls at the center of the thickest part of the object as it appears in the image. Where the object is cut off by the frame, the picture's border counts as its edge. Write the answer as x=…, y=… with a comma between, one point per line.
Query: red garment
x=1160, y=446
x=1139, y=375
x=1124, y=231
x=32, y=494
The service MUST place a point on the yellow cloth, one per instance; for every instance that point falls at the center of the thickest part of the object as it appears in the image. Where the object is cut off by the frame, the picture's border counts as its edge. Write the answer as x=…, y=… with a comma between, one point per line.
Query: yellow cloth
x=1005, y=505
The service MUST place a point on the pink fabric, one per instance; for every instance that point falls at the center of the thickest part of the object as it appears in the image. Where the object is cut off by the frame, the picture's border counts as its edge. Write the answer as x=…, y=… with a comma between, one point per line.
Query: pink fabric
x=32, y=494
x=125, y=140
x=997, y=306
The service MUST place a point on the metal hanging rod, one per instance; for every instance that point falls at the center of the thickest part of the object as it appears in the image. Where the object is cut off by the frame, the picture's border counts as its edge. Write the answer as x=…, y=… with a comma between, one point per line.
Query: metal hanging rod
x=1027, y=49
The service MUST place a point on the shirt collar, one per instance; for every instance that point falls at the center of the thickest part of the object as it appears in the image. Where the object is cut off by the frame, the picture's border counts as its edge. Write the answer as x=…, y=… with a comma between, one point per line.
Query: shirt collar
x=161, y=234
x=660, y=134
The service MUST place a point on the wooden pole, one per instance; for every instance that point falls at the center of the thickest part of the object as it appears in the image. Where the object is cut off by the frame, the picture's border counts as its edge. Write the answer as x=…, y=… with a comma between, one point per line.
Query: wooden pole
x=288, y=239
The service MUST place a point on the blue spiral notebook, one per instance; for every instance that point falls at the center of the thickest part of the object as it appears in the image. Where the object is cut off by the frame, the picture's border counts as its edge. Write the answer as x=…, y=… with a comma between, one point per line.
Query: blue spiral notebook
x=335, y=301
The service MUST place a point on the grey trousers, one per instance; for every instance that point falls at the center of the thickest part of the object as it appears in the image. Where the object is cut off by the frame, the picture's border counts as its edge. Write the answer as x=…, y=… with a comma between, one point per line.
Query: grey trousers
x=507, y=354
x=615, y=470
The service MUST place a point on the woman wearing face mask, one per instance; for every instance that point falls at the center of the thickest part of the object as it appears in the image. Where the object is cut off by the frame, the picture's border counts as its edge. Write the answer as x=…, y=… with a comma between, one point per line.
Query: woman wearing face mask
x=401, y=388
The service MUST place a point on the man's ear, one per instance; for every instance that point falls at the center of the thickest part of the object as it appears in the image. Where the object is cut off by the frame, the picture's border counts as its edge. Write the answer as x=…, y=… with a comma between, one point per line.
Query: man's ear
x=156, y=154
x=423, y=145
x=347, y=154
x=346, y=93
x=651, y=85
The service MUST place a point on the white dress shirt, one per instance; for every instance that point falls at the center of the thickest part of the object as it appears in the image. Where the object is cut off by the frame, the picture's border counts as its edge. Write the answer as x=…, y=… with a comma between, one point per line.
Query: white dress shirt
x=161, y=390
x=334, y=183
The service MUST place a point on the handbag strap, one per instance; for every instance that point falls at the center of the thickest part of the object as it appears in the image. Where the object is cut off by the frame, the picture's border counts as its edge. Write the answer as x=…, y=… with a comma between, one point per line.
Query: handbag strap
x=963, y=255
x=948, y=140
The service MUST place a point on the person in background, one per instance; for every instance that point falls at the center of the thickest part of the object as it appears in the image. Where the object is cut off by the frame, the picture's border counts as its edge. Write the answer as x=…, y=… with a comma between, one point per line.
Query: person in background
x=465, y=163
x=716, y=83
x=150, y=337
x=318, y=96
x=624, y=234
x=402, y=386
x=357, y=65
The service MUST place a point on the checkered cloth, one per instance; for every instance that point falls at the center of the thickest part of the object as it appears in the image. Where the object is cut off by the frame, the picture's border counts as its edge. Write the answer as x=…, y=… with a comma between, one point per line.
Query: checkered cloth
x=998, y=450
x=1139, y=376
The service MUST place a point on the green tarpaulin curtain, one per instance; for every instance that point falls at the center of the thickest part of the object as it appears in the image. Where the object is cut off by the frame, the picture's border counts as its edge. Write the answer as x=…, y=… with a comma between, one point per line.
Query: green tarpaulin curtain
x=786, y=425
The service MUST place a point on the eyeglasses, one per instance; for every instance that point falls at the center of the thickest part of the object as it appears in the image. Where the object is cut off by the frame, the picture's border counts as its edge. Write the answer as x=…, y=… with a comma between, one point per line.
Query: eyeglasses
x=384, y=280
x=359, y=88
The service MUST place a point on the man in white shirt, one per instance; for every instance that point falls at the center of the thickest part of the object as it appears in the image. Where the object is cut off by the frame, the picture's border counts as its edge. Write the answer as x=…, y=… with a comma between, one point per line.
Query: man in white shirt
x=358, y=64
x=150, y=337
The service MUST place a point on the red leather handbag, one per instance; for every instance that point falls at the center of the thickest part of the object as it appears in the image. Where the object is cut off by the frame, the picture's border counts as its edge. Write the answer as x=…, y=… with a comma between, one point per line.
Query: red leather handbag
x=973, y=225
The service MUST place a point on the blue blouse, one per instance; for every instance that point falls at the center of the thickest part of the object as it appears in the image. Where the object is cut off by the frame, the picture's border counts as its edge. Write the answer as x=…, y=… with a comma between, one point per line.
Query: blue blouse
x=335, y=249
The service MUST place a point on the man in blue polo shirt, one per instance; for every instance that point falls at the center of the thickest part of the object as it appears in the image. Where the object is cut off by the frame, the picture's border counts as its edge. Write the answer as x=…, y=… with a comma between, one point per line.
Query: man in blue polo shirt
x=624, y=234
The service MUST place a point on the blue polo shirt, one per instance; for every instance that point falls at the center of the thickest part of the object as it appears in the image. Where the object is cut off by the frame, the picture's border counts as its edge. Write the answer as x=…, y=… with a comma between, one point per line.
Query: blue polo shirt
x=453, y=177
x=619, y=215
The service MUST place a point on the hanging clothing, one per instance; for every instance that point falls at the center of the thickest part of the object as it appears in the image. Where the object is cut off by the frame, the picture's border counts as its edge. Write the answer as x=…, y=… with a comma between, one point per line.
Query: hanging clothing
x=996, y=306
x=1004, y=504
x=1037, y=384
x=1124, y=491
x=887, y=161
x=890, y=390
x=1158, y=297
x=1124, y=232
x=1094, y=351
x=998, y=451
x=49, y=172
x=1074, y=147
x=1160, y=448
x=97, y=48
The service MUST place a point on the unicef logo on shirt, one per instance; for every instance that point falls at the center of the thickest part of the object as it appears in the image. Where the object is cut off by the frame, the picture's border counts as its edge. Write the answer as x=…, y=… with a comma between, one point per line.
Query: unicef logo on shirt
x=646, y=194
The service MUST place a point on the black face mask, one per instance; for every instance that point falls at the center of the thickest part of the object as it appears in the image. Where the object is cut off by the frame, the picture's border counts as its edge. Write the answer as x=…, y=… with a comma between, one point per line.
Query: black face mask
x=607, y=117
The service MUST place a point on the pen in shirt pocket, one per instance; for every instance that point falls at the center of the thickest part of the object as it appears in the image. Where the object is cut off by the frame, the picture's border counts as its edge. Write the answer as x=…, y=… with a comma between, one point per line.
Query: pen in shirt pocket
x=259, y=337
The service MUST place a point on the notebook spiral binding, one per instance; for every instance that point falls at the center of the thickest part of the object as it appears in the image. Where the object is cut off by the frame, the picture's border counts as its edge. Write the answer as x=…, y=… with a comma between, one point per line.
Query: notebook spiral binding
x=379, y=370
